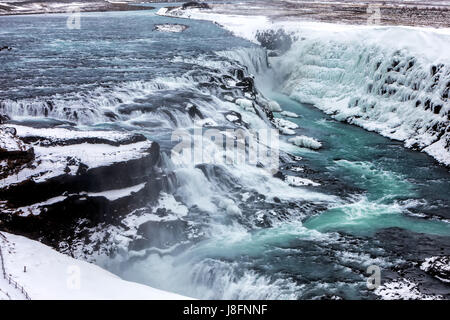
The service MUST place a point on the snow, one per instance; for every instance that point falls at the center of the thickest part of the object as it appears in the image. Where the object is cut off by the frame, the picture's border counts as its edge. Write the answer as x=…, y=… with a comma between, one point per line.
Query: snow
x=207, y=122
x=61, y=135
x=245, y=104
x=52, y=275
x=116, y=194
x=285, y=126
x=231, y=118
x=10, y=143
x=439, y=265
x=35, y=209
x=402, y=289
x=305, y=142
x=233, y=23
x=289, y=114
x=168, y=202
x=298, y=182
x=52, y=161
x=170, y=27
x=274, y=106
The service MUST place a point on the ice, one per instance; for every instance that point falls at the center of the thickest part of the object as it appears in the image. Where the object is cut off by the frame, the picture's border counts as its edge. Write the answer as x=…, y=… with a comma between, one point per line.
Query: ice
x=289, y=114
x=305, y=142
x=298, y=182
x=274, y=106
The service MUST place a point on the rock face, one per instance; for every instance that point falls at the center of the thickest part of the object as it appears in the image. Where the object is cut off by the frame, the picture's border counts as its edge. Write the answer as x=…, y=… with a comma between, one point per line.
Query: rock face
x=194, y=4
x=50, y=179
x=277, y=42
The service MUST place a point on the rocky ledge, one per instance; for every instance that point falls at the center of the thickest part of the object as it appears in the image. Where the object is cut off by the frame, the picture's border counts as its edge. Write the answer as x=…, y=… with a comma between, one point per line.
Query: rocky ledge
x=438, y=267
x=52, y=178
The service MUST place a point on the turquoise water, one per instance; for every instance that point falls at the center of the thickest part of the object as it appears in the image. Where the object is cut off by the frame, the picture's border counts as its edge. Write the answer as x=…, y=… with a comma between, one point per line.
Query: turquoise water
x=395, y=183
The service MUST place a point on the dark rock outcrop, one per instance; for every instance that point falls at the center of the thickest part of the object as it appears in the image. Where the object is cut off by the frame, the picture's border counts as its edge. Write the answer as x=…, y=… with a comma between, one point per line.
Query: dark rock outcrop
x=277, y=41
x=48, y=183
x=194, y=4
x=438, y=267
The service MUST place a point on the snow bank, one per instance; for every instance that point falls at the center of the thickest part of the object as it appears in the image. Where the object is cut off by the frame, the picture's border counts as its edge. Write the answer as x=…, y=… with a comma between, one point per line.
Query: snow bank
x=52, y=275
x=233, y=23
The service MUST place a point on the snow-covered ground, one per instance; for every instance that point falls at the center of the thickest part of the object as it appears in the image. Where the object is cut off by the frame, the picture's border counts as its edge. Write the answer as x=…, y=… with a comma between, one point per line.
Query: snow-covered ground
x=52, y=275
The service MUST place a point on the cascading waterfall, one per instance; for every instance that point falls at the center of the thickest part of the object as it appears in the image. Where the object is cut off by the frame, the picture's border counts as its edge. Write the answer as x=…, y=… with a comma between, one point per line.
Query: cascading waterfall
x=222, y=220
x=399, y=94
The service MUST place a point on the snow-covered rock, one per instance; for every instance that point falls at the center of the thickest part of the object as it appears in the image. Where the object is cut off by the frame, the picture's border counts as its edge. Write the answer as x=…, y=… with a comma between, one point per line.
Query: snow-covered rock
x=285, y=126
x=169, y=27
x=274, y=106
x=71, y=175
x=289, y=114
x=403, y=289
x=299, y=182
x=438, y=267
x=245, y=104
x=306, y=142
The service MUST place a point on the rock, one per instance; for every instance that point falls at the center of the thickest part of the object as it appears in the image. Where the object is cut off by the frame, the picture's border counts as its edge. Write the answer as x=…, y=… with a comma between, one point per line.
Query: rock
x=13, y=152
x=274, y=106
x=247, y=84
x=438, y=267
x=245, y=104
x=306, y=142
x=68, y=175
x=289, y=114
x=196, y=5
x=4, y=118
x=285, y=126
x=278, y=41
x=169, y=27
x=299, y=182
x=235, y=118
x=193, y=111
